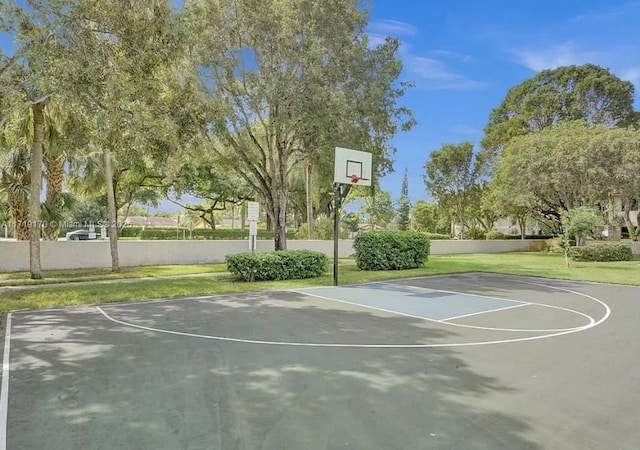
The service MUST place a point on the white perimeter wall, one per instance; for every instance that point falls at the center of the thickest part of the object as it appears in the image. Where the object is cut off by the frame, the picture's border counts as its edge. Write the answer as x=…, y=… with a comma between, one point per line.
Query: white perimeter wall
x=14, y=256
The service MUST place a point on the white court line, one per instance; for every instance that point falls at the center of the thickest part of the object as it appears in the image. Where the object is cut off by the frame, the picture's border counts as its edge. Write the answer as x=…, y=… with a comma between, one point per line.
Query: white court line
x=364, y=306
x=483, y=312
x=336, y=345
x=4, y=395
x=420, y=288
x=477, y=327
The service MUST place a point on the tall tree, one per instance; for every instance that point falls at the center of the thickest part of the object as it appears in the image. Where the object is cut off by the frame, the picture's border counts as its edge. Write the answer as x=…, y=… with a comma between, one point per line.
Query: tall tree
x=454, y=176
x=33, y=78
x=119, y=64
x=278, y=77
x=378, y=209
x=588, y=92
x=427, y=217
x=560, y=168
x=404, y=204
x=37, y=106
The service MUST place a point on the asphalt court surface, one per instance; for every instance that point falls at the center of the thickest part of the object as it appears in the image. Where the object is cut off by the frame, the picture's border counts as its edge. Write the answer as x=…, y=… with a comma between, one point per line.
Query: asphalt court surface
x=471, y=361
x=420, y=302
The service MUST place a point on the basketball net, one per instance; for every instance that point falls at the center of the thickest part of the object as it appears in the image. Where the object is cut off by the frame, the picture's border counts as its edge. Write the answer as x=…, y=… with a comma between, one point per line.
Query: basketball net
x=355, y=178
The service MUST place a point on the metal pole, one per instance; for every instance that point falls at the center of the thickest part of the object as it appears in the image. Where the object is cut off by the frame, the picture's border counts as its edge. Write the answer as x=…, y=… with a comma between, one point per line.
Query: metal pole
x=336, y=231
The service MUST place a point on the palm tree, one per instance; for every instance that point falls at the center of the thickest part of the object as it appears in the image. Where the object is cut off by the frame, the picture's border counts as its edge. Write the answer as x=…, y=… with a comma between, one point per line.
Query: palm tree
x=15, y=178
x=58, y=149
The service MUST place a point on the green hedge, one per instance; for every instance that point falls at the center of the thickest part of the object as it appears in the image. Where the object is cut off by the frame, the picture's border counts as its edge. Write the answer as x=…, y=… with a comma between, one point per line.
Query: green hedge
x=278, y=265
x=498, y=235
x=436, y=236
x=131, y=231
x=391, y=250
x=476, y=234
x=150, y=234
x=602, y=253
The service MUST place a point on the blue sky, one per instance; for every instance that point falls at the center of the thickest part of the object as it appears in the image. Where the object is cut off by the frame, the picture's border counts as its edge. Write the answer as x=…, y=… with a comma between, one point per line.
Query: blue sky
x=464, y=55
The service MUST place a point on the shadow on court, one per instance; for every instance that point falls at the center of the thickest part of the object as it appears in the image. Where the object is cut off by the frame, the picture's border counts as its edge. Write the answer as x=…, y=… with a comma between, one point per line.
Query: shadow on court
x=81, y=381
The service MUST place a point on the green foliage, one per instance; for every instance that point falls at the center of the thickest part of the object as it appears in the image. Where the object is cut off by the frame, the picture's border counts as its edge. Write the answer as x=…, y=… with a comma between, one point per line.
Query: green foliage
x=278, y=265
x=568, y=165
x=404, y=205
x=436, y=236
x=391, y=250
x=313, y=77
x=132, y=231
x=428, y=217
x=323, y=230
x=476, y=233
x=351, y=222
x=379, y=209
x=602, y=252
x=559, y=244
x=581, y=222
x=454, y=176
x=158, y=233
x=586, y=92
x=493, y=234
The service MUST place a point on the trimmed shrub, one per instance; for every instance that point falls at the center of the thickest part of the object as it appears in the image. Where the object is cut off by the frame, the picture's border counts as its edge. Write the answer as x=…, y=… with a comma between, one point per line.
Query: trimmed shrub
x=129, y=231
x=436, y=236
x=602, y=253
x=476, y=234
x=390, y=250
x=278, y=265
x=493, y=234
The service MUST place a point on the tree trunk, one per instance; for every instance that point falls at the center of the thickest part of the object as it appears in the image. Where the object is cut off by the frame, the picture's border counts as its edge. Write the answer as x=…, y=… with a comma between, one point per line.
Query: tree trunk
x=276, y=208
x=631, y=228
x=112, y=212
x=36, y=188
x=309, y=193
x=522, y=223
x=19, y=211
x=613, y=227
x=243, y=215
x=280, y=225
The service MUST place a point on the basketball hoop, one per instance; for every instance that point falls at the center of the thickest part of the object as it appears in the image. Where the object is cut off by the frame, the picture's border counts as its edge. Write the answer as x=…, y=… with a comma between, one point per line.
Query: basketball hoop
x=355, y=178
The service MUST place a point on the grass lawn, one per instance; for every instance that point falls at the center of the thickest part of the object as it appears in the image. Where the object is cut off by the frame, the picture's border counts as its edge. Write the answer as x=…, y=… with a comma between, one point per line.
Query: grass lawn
x=540, y=264
x=68, y=276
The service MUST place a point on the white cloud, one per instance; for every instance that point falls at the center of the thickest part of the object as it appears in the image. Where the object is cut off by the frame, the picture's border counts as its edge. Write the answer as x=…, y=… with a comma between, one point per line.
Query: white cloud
x=428, y=72
x=375, y=39
x=393, y=28
x=452, y=55
x=435, y=74
x=621, y=60
x=613, y=13
x=564, y=54
x=631, y=74
x=466, y=130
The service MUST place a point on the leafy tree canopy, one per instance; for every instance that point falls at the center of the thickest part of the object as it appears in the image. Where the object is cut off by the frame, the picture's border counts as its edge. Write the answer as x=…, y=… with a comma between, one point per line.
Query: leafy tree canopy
x=588, y=92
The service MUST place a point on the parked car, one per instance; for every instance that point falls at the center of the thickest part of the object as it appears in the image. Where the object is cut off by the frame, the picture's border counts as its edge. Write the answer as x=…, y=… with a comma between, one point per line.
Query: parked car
x=80, y=235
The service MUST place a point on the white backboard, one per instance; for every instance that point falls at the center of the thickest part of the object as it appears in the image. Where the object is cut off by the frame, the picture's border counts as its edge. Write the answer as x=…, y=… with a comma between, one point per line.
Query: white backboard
x=253, y=211
x=352, y=162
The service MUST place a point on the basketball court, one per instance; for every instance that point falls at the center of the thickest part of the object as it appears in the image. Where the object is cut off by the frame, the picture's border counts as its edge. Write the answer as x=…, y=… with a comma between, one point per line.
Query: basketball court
x=472, y=361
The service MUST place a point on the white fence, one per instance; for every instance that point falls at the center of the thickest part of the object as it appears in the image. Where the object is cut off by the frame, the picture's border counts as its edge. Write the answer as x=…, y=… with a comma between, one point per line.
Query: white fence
x=14, y=256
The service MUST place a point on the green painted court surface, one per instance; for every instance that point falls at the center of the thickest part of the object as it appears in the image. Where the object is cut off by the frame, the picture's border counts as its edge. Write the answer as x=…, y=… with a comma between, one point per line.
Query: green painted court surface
x=458, y=362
